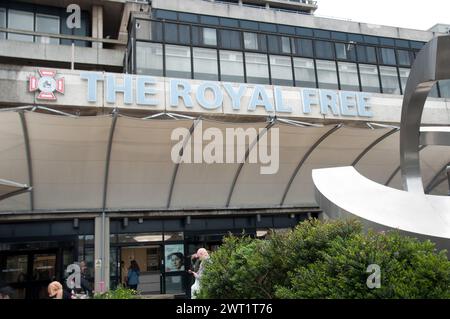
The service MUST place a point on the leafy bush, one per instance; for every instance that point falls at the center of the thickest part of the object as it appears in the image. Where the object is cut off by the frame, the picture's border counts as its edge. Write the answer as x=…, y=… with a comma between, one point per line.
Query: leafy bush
x=326, y=260
x=118, y=293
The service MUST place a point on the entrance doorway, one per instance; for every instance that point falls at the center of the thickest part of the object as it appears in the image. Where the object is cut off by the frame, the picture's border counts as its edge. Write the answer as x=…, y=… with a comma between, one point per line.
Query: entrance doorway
x=29, y=273
x=149, y=260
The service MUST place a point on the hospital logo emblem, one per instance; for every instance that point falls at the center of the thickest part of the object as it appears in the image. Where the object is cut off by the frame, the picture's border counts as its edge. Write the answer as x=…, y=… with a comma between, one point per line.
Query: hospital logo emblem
x=47, y=84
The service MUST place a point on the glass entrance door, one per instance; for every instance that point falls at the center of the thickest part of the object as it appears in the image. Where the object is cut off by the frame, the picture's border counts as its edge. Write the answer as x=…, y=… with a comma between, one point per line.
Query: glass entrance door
x=28, y=273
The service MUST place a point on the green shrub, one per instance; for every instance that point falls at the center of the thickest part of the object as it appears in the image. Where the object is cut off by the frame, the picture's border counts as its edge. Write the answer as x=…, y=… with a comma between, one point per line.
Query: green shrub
x=326, y=260
x=119, y=293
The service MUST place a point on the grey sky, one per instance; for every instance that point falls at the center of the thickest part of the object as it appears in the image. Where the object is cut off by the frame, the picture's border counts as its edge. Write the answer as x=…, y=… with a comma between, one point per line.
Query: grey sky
x=414, y=14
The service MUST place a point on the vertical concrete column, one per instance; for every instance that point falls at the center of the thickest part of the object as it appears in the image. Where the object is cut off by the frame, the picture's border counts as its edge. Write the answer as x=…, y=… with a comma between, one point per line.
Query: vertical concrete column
x=101, y=242
x=97, y=25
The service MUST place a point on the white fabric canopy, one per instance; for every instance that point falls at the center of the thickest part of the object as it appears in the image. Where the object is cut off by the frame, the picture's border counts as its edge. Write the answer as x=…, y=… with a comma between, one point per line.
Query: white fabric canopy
x=68, y=164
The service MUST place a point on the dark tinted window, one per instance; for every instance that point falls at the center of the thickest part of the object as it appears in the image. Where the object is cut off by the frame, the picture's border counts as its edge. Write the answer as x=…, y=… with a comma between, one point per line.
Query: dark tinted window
x=267, y=27
x=358, y=38
x=163, y=14
x=230, y=39
x=322, y=34
x=304, y=31
x=387, y=56
x=404, y=57
x=345, y=51
x=286, y=29
x=303, y=47
x=171, y=32
x=209, y=20
x=416, y=44
x=324, y=49
x=229, y=22
x=250, y=25
x=339, y=36
x=188, y=17
x=273, y=43
x=387, y=41
x=401, y=43
x=370, y=39
x=366, y=54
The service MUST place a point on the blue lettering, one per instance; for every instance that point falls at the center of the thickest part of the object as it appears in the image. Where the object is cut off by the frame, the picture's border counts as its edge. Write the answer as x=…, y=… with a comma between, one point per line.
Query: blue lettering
x=348, y=103
x=92, y=79
x=328, y=99
x=143, y=90
x=201, y=96
x=176, y=93
x=235, y=96
x=112, y=88
x=279, y=101
x=260, y=98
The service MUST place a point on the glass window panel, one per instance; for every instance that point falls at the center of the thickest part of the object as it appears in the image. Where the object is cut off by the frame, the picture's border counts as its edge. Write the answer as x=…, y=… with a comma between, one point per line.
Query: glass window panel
x=164, y=14
x=268, y=27
x=250, y=25
x=404, y=57
x=149, y=58
x=20, y=20
x=230, y=39
x=281, y=70
x=303, y=47
x=231, y=66
x=257, y=68
x=178, y=61
x=227, y=22
x=387, y=56
x=357, y=38
x=345, y=51
x=184, y=34
x=416, y=45
x=389, y=80
x=371, y=39
x=273, y=42
x=369, y=78
x=324, y=50
x=404, y=74
x=339, y=36
x=2, y=22
x=387, y=41
x=305, y=75
x=174, y=284
x=209, y=36
x=304, y=31
x=171, y=32
x=401, y=43
x=205, y=64
x=285, y=45
x=348, y=76
x=250, y=41
x=187, y=17
x=326, y=74
x=322, y=34
x=444, y=86
x=286, y=29
x=156, y=30
x=366, y=54
x=262, y=42
x=209, y=20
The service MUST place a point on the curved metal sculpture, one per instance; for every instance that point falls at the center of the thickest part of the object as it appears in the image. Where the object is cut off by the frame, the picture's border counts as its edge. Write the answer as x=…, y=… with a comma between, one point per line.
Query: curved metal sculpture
x=342, y=191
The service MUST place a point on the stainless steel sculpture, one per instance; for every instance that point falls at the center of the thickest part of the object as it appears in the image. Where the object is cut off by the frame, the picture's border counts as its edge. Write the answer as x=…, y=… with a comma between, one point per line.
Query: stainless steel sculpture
x=342, y=191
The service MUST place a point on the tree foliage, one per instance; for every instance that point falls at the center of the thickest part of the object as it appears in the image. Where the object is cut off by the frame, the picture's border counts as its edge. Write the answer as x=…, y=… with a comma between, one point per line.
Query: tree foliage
x=326, y=260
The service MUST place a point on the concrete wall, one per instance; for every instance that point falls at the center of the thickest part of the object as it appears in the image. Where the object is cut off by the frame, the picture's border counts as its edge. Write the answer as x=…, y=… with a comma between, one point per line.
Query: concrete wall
x=280, y=17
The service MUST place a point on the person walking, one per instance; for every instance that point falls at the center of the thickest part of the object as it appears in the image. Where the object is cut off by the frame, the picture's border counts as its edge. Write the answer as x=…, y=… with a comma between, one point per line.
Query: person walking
x=133, y=275
x=203, y=256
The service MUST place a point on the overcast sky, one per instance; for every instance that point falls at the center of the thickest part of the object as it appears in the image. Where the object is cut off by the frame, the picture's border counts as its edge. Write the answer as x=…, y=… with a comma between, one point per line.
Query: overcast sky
x=414, y=14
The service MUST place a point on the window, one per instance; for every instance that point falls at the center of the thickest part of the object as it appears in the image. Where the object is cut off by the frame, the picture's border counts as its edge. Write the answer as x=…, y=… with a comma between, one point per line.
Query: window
x=404, y=74
x=209, y=36
x=402, y=43
x=149, y=58
x=387, y=56
x=268, y=27
x=389, y=80
x=366, y=54
x=286, y=29
x=444, y=86
x=324, y=50
x=281, y=70
x=322, y=34
x=404, y=57
x=170, y=32
x=156, y=30
x=209, y=20
x=257, y=68
x=341, y=36
x=20, y=20
x=285, y=45
x=230, y=39
x=178, y=61
x=369, y=78
x=48, y=24
x=184, y=34
x=187, y=17
x=273, y=43
x=2, y=22
x=231, y=66
x=326, y=74
x=345, y=51
x=250, y=41
x=249, y=25
x=227, y=22
x=205, y=64
x=303, y=47
x=304, y=73
x=164, y=14
x=348, y=76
